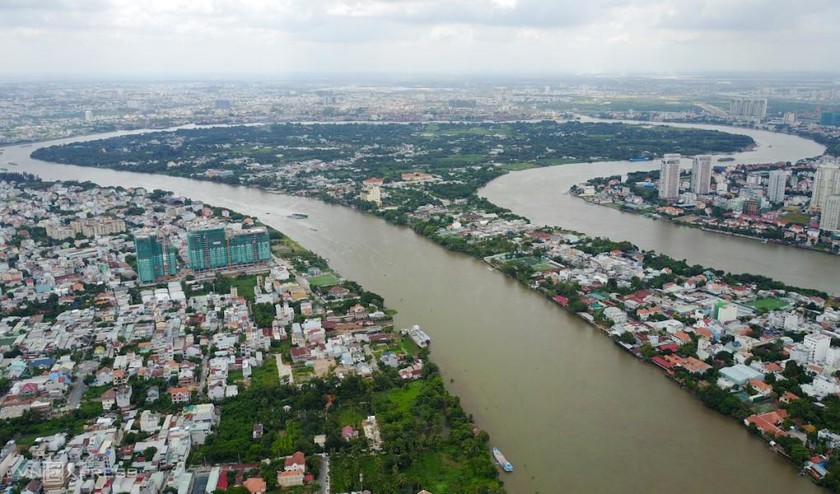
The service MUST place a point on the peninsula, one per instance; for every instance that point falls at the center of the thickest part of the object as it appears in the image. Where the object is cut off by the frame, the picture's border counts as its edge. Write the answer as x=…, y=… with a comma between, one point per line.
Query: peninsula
x=743, y=344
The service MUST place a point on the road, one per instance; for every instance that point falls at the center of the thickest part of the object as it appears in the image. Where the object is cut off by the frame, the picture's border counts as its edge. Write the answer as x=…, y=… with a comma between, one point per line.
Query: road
x=324, y=475
x=713, y=110
x=202, y=380
x=75, y=397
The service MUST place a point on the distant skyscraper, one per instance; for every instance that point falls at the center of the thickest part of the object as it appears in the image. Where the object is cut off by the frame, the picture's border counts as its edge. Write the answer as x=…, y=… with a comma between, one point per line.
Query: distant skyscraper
x=154, y=259
x=669, y=177
x=88, y=116
x=748, y=107
x=216, y=248
x=701, y=174
x=830, y=216
x=826, y=183
x=830, y=118
x=776, y=187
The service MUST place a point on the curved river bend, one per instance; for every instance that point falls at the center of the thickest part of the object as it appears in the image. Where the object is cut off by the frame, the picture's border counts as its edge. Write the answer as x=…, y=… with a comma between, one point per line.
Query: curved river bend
x=568, y=408
x=541, y=194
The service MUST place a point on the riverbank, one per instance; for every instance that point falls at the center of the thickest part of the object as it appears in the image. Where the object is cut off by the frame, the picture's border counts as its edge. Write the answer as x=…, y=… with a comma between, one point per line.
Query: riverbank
x=541, y=328
x=348, y=366
x=676, y=221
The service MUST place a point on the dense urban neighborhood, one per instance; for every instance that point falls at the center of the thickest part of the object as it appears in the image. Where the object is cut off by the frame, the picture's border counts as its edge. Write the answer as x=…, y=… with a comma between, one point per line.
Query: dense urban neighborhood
x=152, y=343
x=795, y=204
x=142, y=355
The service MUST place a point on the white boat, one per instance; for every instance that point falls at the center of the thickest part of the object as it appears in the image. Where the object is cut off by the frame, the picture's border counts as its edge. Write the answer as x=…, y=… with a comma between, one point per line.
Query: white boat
x=506, y=465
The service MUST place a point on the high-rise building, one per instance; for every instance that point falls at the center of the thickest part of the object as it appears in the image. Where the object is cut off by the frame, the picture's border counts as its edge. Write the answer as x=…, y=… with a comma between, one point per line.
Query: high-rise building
x=155, y=259
x=817, y=345
x=748, y=107
x=830, y=118
x=217, y=248
x=776, y=186
x=249, y=246
x=830, y=215
x=701, y=174
x=669, y=177
x=207, y=249
x=826, y=183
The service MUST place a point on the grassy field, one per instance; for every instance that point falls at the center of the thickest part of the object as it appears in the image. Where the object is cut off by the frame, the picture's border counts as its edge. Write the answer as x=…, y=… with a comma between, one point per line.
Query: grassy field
x=797, y=218
x=768, y=303
x=434, y=129
x=351, y=415
x=245, y=286
x=461, y=159
x=401, y=400
x=326, y=279
x=286, y=246
x=446, y=468
x=515, y=167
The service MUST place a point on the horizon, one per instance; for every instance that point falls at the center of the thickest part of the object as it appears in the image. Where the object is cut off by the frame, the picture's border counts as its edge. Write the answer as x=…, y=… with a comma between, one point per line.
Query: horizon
x=185, y=39
x=383, y=78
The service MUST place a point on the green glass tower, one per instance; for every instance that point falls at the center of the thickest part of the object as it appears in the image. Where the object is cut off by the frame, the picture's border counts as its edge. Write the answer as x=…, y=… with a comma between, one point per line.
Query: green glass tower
x=249, y=247
x=154, y=259
x=207, y=249
x=217, y=248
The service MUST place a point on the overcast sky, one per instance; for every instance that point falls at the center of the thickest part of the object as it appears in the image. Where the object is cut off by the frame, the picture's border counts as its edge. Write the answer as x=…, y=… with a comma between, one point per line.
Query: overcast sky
x=283, y=37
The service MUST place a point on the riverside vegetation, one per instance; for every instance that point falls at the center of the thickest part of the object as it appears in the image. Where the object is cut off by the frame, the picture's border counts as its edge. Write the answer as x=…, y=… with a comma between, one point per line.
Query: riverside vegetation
x=428, y=440
x=444, y=207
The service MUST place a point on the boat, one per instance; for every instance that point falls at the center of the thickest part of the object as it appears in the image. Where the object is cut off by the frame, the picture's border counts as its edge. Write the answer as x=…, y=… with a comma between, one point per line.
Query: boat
x=726, y=158
x=298, y=216
x=417, y=335
x=639, y=158
x=506, y=466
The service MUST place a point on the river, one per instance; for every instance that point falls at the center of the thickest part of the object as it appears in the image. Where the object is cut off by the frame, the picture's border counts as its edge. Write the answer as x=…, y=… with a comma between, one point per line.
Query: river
x=572, y=411
x=541, y=194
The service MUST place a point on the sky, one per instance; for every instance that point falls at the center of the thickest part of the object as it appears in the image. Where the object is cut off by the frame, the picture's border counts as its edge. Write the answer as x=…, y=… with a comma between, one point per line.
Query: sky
x=229, y=38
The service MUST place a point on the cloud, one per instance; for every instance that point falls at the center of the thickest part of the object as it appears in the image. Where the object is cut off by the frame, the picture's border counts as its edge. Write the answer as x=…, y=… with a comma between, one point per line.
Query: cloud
x=744, y=15
x=424, y=35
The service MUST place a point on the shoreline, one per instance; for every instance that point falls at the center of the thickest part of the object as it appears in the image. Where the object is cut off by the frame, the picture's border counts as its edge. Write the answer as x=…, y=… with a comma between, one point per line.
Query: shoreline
x=433, y=238
x=672, y=221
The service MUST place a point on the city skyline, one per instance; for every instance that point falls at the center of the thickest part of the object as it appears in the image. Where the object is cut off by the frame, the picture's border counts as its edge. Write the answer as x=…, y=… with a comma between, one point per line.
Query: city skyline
x=116, y=38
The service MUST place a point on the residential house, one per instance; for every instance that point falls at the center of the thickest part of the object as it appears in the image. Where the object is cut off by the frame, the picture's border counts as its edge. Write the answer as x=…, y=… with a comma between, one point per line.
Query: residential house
x=255, y=485
x=179, y=395
x=109, y=399
x=296, y=462
x=124, y=397
x=289, y=478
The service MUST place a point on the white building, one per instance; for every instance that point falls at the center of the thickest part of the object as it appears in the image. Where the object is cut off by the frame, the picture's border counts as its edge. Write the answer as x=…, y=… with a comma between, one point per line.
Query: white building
x=701, y=174
x=830, y=216
x=817, y=345
x=748, y=107
x=669, y=177
x=726, y=313
x=826, y=184
x=832, y=357
x=776, y=187
x=372, y=193
x=820, y=387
